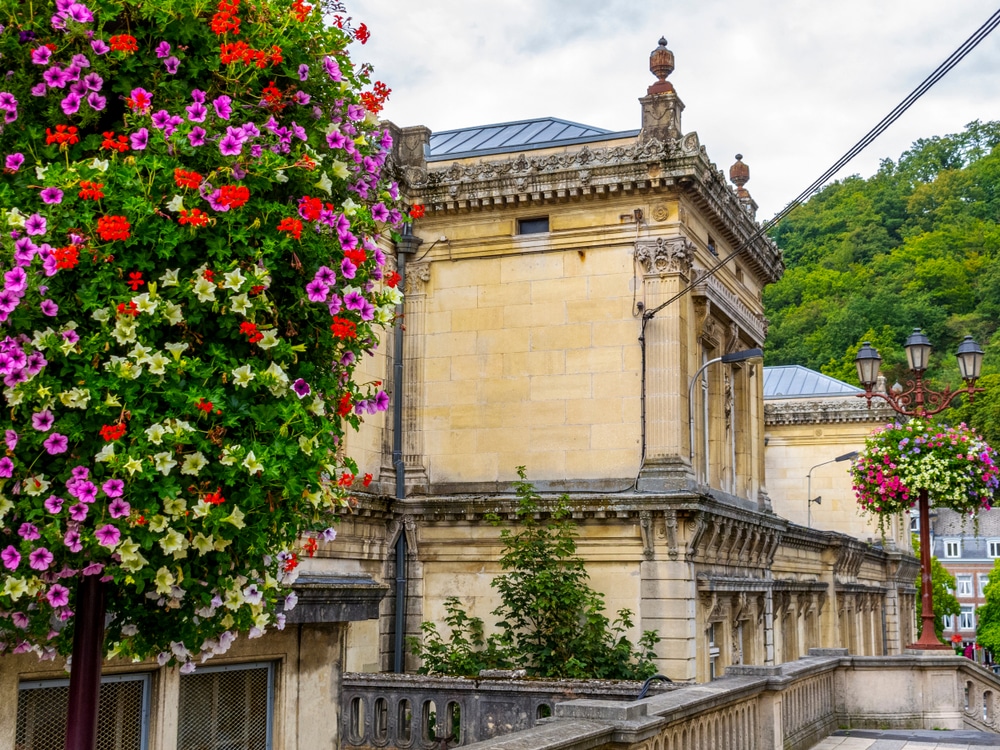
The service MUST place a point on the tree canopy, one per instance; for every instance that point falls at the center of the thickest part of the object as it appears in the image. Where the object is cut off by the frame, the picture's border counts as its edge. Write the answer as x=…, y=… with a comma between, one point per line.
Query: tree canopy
x=915, y=245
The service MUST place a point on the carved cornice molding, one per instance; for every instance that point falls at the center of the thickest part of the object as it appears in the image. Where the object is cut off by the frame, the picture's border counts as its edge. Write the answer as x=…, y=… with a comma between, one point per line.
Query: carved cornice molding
x=714, y=296
x=823, y=411
x=665, y=255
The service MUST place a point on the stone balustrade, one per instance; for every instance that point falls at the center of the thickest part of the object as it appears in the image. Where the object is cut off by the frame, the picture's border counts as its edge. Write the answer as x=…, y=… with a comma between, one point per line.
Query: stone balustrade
x=787, y=707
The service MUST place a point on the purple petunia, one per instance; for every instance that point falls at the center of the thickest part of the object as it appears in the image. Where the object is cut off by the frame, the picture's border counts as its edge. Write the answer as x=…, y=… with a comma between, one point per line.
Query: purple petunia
x=172, y=64
x=96, y=102
x=6, y=467
x=78, y=512
x=139, y=139
x=35, y=225
x=49, y=308
x=29, y=532
x=196, y=112
x=230, y=145
x=317, y=290
x=13, y=162
x=72, y=540
x=52, y=195
x=107, y=535
x=40, y=559
x=54, y=504
x=71, y=104
x=58, y=596
x=42, y=420
x=113, y=487
x=301, y=388
x=100, y=47
x=162, y=49
x=56, y=443
x=10, y=438
x=119, y=508
x=11, y=557
x=223, y=107
x=197, y=136
x=41, y=55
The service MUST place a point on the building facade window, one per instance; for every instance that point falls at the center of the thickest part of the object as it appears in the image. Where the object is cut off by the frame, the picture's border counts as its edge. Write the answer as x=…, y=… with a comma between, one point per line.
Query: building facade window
x=993, y=547
x=222, y=707
x=952, y=548
x=984, y=578
x=967, y=620
x=964, y=584
x=948, y=622
x=123, y=712
x=536, y=225
x=713, y=651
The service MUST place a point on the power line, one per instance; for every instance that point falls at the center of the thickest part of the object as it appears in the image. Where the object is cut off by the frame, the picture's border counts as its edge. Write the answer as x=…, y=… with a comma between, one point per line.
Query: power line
x=952, y=60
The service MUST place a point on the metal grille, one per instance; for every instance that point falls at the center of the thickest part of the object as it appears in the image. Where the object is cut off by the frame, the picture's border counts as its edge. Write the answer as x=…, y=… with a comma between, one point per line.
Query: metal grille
x=122, y=718
x=226, y=708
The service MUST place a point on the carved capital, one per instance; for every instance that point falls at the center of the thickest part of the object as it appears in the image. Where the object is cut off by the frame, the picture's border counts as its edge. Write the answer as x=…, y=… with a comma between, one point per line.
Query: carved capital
x=417, y=276
x=665, y=255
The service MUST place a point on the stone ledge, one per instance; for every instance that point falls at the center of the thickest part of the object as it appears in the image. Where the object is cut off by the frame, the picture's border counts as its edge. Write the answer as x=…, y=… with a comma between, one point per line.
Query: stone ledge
x=329, y=599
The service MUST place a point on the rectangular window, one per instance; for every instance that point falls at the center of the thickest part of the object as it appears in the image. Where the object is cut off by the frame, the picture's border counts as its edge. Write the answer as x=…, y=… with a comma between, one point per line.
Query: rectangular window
x=993, y=547
x=227, y=707
x=948, y=622
x=537, y=225
x=967, y=620
x=952, y=547
x=984, y=578
x=122, y=713
x=964, y=584
x=713, y=652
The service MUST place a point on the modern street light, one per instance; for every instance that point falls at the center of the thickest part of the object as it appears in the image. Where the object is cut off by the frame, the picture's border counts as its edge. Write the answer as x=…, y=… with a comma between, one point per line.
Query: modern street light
x=741, y=356
x=919, y=401
x=811, y=500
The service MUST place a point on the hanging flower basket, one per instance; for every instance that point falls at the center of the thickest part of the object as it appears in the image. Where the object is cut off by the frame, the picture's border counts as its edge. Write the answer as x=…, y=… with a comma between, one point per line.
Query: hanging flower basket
x=954, y=464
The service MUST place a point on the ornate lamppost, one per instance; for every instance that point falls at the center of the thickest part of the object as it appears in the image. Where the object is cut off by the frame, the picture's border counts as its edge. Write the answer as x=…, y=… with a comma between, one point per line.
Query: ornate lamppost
x=916, y=400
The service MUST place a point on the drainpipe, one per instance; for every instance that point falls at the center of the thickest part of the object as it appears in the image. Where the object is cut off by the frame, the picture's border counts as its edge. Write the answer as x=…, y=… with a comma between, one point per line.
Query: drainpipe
x=406, y=245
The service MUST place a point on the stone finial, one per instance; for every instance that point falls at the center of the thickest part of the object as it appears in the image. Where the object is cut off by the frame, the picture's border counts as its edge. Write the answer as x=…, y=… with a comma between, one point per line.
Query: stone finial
x=661, y=65
x=739, y=174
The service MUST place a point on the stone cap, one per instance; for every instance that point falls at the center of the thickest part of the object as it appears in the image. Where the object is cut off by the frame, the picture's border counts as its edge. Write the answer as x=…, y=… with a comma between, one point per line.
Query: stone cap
x=336, y=598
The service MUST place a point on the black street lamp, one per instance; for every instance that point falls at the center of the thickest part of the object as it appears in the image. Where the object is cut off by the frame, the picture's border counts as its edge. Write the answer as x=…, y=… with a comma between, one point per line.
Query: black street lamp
x=809, y=479
x=919, y=401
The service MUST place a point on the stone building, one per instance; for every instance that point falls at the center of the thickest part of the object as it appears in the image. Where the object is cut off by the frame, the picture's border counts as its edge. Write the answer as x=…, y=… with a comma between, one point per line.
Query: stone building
x=583, y=303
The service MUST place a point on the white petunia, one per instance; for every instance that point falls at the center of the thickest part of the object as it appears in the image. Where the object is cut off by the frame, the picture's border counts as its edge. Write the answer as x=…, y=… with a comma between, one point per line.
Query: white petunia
x=194, y=463
x=233, y=280
x=242, y=376
x=204, y=290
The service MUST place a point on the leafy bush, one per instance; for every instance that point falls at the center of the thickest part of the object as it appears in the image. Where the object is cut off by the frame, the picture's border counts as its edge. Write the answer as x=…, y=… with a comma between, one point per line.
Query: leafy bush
x=551, y=622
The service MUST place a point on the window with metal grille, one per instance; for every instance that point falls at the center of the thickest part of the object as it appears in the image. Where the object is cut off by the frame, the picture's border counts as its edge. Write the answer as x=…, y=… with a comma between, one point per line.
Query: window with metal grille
x=122, y=717
x=226, y=708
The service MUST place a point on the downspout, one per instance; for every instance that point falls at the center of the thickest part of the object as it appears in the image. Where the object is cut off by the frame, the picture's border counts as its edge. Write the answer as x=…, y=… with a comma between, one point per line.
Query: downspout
x=406, y=245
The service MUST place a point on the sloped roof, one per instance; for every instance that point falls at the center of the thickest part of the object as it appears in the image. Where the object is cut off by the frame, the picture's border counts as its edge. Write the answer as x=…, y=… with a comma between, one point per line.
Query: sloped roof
x=514, y=136
x=796, y=381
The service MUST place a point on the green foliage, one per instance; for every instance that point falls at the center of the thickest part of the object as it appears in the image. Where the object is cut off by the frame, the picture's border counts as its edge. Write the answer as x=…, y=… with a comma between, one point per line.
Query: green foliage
x=551, y=622
x=942, y=584
x=988, y=615
x=915, y=245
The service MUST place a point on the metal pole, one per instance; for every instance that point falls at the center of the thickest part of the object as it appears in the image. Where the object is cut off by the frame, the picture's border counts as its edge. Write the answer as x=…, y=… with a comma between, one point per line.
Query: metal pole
x=928, y=638
x=85, y=675
x=809, y=499
x=691, y=409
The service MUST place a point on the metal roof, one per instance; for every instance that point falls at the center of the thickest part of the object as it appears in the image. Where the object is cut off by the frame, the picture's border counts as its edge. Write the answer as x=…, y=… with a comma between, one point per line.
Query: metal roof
x=796, y=381
x=522, y=135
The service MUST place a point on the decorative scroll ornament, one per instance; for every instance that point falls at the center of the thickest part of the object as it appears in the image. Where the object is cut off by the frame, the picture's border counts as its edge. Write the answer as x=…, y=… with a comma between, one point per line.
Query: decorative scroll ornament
x=665, y=255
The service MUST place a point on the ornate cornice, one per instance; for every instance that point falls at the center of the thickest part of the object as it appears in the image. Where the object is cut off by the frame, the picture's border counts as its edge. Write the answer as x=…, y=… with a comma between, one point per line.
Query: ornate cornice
x=830, y=410
x=647, y=165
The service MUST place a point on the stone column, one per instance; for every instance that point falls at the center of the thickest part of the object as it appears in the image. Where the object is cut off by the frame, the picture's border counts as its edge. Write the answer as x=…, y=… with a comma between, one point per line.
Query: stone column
x=666, y=266
x=322, y=651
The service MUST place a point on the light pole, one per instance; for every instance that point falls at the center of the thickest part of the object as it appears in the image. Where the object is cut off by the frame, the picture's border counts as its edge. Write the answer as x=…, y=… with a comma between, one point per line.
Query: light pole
x=919, y=401
x=809, y=479
x=741, y=356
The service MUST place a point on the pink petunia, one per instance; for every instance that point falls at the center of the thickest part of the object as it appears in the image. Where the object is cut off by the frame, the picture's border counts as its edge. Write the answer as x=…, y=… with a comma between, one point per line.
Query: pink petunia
x=119, y=508
x=28, y=532
x=72, y=540
x=113, y=487
x=42, y=420
x=57, y=595
x=54, y=504
x=10, y=438
x=6, y=467
x=56, y=443
x=108, y=535
x=11, y=557
x=40, y=559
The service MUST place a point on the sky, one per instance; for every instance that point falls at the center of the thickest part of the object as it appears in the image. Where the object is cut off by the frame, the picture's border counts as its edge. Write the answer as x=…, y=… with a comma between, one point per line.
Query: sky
x=790, y=84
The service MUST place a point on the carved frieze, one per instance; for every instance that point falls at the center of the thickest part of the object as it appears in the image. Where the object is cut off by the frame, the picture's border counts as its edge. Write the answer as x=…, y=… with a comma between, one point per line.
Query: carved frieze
x=665, y=255
x=819, y=411
x=417, y=276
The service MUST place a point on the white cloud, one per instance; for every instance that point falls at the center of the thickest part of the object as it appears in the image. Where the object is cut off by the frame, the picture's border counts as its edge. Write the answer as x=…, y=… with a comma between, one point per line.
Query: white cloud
x=789, y=84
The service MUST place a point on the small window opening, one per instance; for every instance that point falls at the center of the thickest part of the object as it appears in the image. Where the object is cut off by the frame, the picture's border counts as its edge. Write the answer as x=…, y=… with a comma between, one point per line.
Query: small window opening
x=538, y=225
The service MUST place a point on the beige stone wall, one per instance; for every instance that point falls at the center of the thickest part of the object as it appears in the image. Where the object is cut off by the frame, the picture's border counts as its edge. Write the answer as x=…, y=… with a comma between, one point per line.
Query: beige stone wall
x=794, y=447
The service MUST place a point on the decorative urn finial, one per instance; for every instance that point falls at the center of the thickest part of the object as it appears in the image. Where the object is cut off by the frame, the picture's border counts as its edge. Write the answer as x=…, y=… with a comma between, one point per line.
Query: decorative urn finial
x=661, y=65
x=739, y=174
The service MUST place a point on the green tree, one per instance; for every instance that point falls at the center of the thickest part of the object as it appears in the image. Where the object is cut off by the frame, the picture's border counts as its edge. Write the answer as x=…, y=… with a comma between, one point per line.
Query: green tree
x=988, y=615
x=552, y=622
x=942, y=584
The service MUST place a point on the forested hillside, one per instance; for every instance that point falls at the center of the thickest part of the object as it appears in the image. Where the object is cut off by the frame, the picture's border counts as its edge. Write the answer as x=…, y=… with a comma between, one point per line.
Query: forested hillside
x=915, y=245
